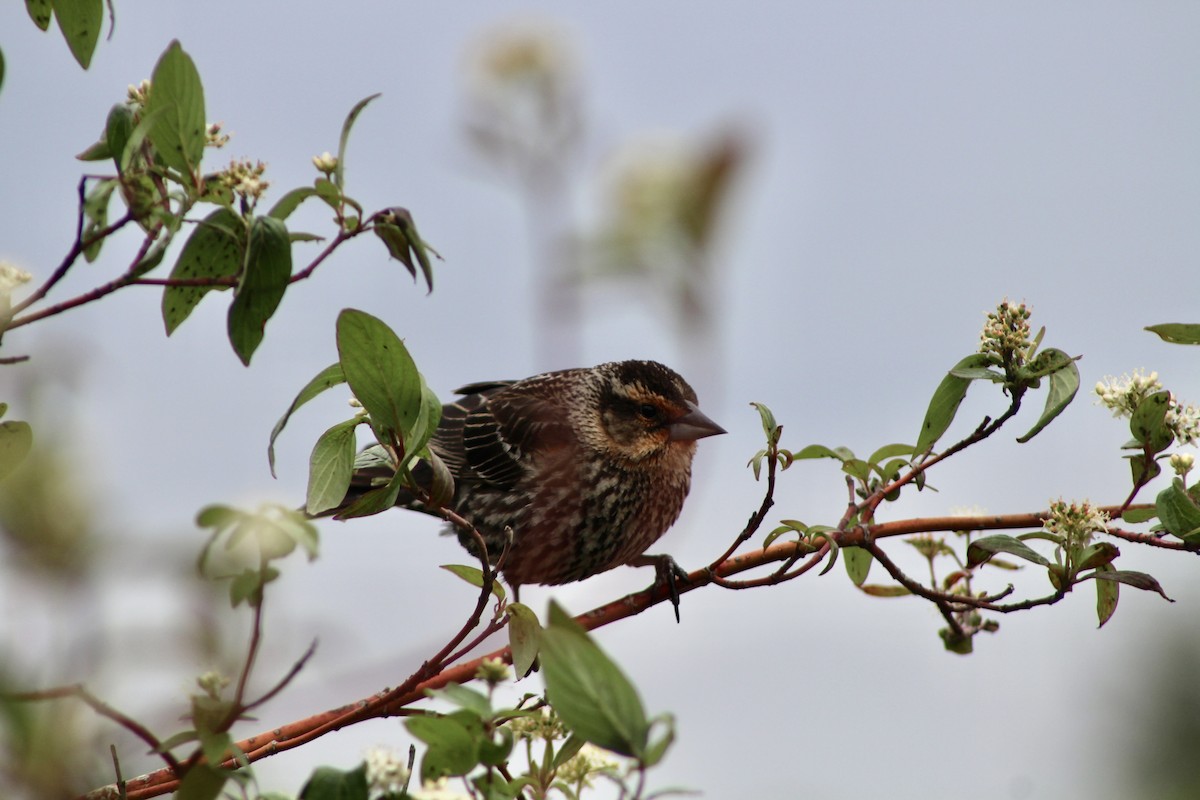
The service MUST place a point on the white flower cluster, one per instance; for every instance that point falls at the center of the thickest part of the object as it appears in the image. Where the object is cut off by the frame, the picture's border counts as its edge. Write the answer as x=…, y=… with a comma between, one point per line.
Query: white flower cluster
x=438, y=790
x=1123, y=395
x=245, y=179
x=386, y=771
x=1006, y=332
x=588, y=762
x=1075, y=521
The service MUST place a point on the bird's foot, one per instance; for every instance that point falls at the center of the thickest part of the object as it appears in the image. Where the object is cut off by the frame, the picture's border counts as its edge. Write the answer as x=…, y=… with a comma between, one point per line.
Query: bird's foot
x=668, y=573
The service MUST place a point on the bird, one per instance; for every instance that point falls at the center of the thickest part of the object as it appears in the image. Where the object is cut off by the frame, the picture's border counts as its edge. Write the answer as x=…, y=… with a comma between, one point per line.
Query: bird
x=586, y=467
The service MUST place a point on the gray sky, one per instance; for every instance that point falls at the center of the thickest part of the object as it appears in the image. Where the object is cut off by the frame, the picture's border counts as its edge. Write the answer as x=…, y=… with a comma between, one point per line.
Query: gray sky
x=913, y=163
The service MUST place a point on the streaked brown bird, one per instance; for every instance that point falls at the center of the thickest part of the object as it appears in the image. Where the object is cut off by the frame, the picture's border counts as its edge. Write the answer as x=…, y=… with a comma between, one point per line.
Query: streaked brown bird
x=588, y=467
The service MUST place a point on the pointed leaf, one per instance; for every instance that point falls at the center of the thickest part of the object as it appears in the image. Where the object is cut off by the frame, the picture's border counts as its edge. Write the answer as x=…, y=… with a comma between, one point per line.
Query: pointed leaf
x=263, y=282
x=374, y=501
x=858, y=563
x=1138, y=580
x=820, y=451
x=330, y=467
x=945, y=402
x=380, y=372
x=981, y=550
x=1136, y=515
x=1064, y=383
x=178, y=133
x=339, y=171
x=1148, y=422
x=327, y=783
x=1107, y=595
x=117, y=130
x=216, y=249
x=1180, y=516
x=891, y=451
x=524, y=636
x=326, y=378
x=589, y=692
x=877, y=590
x=1096, y=555
x=284, y=207
x=202, y=782
x=40, y=11
x=474, y=576
x=452, y=743
x=1177, y=332
x=79, y=21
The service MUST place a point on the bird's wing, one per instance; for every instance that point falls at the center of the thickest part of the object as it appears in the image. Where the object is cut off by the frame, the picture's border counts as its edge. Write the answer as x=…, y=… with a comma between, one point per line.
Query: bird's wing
x=495, y=433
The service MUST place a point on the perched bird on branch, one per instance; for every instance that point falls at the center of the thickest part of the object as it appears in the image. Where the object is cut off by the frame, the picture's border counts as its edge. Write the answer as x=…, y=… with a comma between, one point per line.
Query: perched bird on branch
x=587, y=467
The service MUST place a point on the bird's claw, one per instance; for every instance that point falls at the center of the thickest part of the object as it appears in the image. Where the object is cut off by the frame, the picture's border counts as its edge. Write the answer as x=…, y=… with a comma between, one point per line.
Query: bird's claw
x=667, y=573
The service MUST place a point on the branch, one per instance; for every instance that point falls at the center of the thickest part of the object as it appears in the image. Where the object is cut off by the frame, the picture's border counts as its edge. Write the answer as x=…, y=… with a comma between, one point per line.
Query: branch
x=393, y=703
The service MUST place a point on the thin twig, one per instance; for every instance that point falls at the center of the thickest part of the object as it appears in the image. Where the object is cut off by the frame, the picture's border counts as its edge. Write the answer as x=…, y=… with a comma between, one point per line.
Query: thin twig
x=102, y=708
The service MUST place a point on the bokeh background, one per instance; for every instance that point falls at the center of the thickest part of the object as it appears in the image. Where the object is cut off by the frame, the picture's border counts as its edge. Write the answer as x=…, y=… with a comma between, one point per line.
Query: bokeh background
x=894, y=170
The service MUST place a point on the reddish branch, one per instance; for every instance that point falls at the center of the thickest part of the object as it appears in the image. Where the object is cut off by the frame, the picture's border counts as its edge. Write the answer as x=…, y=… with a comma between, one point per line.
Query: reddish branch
x=431, y=676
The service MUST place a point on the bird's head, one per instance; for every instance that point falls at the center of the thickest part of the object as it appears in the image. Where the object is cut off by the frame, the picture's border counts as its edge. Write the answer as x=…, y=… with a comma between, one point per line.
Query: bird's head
x=647, y=410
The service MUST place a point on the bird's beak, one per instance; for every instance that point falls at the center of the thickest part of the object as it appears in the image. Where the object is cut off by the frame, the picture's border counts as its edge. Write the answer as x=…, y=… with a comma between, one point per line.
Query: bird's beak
x=693, y=425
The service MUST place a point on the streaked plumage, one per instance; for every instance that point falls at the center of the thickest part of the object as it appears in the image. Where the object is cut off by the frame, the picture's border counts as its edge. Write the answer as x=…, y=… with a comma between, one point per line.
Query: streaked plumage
x=589, y=467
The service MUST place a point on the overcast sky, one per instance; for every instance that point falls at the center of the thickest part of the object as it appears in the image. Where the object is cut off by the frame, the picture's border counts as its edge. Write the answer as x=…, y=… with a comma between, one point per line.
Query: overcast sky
x=911, y=164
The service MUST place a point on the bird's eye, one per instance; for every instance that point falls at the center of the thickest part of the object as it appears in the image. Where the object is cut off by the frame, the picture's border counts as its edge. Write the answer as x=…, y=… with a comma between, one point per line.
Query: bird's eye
x=648, y=411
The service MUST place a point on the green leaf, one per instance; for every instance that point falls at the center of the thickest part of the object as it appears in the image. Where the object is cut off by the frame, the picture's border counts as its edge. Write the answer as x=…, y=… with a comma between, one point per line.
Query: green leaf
x=979, y=374
x=1136, y=515
x=16, y=440
x=1148, y=422
x=1096, y=555
x=474, y=576
x=178, y=132
x=821, y=451
x=568, y=749
x=1138, y=580
x=1179, y=514
x=891, y=451
x=588, y=691
x=946, y=400
x=957, y=643
x=136, y=137
x=1177, y=332
x=263, y=282
x=40, y=11
x=769, y=425
x=95, y=210
x=339, y=171
x=524, y=634
x=79, y=21
x=284, y=207
x=216, y=249
x=1064, y=383
x=858, y=563
x=381, y=373
x=330, y=467
x=327, y=783
x=202, y=782
x=396, y=228
x=464, y=697
x=1107, y=594
x=452, y=740
x=329, y=377
x=877, y=590
x=375, y=501
x=117, y=130
x=980, y=550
